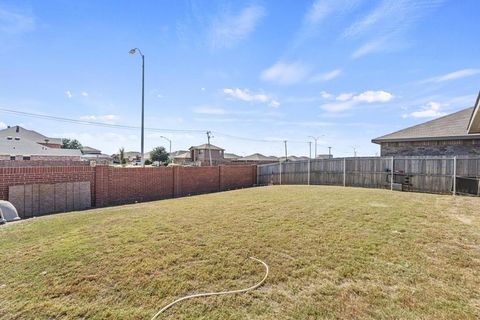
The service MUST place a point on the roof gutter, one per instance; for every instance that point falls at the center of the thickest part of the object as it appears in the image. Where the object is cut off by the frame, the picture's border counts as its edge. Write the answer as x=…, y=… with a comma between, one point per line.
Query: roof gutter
x=445, y=138
x=474, y=123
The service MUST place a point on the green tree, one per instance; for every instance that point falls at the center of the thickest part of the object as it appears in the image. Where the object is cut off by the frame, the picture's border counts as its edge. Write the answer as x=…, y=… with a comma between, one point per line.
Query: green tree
x=121, y=156
x=71, y=144
x=159, y=154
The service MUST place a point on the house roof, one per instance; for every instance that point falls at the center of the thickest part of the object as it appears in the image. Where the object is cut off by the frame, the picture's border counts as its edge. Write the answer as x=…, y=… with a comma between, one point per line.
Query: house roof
x=90, y=150
x=230, y=156
x=94, y=156
x=25, y=134
x=178, y=152
x=185, y=155
x=450, y=127
x=27, y=147
x=255, y=157
x=474, y=123
x=205, y=147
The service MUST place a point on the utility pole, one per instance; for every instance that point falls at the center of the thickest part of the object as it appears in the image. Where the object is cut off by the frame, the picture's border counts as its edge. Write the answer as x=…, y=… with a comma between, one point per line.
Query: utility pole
x=286, y=156
x=354, y=152
x=310, y=149
x=329, y=152
x=316, y=142
x=209, y=135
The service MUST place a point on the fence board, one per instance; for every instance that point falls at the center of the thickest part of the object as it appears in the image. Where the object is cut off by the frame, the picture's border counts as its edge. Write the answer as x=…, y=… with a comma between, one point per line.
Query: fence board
x=434, y=175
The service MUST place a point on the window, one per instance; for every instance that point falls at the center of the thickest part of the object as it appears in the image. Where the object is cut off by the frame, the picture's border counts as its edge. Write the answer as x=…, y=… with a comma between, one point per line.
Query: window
x=26, y=157
x=12, y=157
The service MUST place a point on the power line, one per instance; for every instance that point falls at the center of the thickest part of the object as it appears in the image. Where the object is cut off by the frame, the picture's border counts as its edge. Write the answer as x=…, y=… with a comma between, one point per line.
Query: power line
x=94, y=123
x=130, y=127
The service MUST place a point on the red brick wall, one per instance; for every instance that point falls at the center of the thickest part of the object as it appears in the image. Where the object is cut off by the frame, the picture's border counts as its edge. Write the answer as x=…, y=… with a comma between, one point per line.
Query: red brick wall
x=42, y=163
x=234, y=177
x=36, y=175
x=128, y=185
x=112, y=186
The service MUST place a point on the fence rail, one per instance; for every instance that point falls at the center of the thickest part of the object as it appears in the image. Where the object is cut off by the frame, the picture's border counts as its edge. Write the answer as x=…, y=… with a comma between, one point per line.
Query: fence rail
x=433, y=174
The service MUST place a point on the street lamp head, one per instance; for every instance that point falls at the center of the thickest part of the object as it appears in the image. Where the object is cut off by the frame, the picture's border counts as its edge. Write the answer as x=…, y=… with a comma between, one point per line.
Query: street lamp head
x=132, y=51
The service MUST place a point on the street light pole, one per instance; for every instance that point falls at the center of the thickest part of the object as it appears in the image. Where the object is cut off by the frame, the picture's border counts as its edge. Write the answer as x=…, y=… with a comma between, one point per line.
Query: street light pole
x=132, y=52
x=316, y=139
x=170, y=143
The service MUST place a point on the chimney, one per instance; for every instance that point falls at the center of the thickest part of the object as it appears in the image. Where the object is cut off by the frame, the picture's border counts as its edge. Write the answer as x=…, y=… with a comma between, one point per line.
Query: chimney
x=18, y=129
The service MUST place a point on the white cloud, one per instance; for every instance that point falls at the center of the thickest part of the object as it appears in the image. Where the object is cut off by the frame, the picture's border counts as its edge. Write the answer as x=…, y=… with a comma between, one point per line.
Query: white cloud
x=84, y=94
x=387, y=24
x=228, y=30
x=372, y=46
x=203, y=89
x=322, y=9
x=68, y=94
x=246, y=95
x=15, y=23
x=349, y=100
x=338, y=106
x=2, y=125
x=459, y=74
x=326, y=95
x=344, y=96
x=108, y=118
x=209, y=110
x=285, y=73
x=374, y=96
x=326, y=76
x=318, y=11
x=274, y=104
x=430, y=110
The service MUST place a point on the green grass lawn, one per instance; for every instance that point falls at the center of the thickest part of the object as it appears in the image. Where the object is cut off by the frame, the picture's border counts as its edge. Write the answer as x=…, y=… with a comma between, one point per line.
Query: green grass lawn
x=334, y=253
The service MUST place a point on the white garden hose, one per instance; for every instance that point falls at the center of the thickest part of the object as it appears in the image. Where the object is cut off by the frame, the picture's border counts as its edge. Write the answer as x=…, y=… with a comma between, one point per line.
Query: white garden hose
x=217, y=293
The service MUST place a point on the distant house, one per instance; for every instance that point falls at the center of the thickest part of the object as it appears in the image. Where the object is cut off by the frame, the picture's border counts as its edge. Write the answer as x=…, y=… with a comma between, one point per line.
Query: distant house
x=30, y=135
x=203, y=153
x=92, y=154
x=182, y=158
x=231, y=156
x=17, y=143
x=324, y=156
x=256, y=158
x=17, y=148
x=454, y=134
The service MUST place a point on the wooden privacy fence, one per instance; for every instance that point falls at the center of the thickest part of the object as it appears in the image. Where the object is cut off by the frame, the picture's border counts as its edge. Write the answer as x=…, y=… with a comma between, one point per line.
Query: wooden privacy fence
x=433, y=174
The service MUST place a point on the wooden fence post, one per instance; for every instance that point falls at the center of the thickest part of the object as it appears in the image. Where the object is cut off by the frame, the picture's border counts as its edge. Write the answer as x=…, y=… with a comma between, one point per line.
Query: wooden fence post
x=280, y=171
x=308, y=178
x=344, y=172
x=455, y=175
x=392, y=174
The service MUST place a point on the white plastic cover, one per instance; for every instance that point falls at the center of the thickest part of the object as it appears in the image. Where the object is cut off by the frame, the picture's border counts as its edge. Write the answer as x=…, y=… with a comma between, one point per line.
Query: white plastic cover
x=8, y=211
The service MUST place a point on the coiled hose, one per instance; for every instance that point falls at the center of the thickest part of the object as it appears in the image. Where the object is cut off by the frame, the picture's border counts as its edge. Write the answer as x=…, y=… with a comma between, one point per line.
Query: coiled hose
x=207, y=294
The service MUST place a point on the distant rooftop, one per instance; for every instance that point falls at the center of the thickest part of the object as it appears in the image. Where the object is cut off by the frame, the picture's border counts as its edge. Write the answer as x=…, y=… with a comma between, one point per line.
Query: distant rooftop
x=25, y=147
x=206, y=147
x=450, y=127
x=18, y=131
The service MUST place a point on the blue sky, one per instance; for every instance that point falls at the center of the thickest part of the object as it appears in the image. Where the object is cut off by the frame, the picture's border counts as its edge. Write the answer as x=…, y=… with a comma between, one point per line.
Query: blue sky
x=267, y=71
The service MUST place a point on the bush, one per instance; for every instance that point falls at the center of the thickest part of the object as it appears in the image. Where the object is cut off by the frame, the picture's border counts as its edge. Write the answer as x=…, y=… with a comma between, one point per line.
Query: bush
x=148, y=162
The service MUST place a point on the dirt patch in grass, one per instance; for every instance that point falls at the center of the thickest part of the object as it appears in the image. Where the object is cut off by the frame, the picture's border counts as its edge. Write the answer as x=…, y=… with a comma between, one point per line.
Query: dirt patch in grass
x=334, y=253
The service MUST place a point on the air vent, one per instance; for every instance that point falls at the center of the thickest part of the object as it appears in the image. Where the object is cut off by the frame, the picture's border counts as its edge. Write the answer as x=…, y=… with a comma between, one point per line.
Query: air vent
x=17, y=138
x=9, y=138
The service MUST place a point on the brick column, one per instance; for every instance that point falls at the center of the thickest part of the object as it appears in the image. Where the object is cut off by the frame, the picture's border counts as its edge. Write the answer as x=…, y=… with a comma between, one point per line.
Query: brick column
x=177, y=178
x=102, y=179
x=221, y=172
